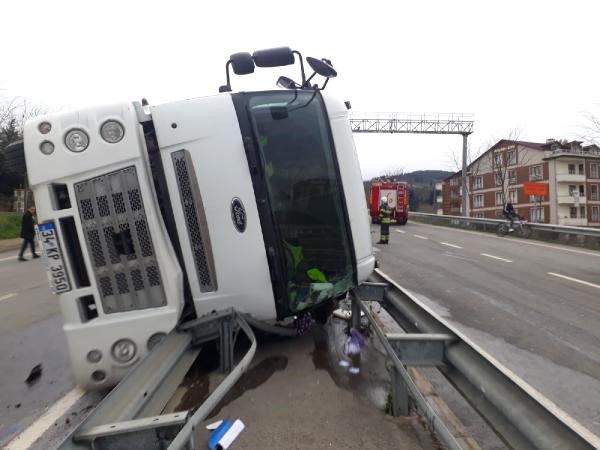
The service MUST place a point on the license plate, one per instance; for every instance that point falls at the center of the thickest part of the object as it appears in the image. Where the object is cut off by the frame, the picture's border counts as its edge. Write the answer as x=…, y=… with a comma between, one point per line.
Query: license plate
x=57, y=273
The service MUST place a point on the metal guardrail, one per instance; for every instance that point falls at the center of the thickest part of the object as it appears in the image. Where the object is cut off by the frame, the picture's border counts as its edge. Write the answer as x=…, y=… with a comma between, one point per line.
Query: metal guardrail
x=542, y=227
x=520, y=415
x=130, y=416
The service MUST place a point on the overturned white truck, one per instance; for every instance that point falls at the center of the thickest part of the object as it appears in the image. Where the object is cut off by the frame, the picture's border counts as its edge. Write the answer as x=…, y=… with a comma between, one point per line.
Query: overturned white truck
x=152, y=215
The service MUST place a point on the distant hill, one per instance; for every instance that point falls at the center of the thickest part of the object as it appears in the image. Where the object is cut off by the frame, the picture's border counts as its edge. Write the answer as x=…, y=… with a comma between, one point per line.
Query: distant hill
x=418, y=177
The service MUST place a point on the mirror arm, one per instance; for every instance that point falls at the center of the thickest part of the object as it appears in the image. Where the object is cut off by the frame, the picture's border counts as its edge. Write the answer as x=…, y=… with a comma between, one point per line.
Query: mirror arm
x=325, y=84
x=301, y=66
x=227, y=87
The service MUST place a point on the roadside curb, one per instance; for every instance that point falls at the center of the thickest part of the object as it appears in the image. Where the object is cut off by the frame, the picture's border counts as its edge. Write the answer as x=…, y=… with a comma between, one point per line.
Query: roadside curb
x=7, y=245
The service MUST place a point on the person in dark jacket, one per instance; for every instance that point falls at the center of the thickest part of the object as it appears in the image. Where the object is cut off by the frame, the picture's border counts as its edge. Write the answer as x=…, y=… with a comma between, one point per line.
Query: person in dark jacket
x=28, y=233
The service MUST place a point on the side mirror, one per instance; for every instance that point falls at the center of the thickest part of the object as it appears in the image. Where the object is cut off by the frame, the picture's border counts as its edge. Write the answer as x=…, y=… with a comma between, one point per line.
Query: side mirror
x=274, y=57
x=322, y=67
x=242, y=63
x=287, y=83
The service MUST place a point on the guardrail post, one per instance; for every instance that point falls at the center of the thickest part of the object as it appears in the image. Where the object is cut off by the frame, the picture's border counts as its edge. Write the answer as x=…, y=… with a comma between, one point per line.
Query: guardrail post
x=355, y=308
x=399, y=394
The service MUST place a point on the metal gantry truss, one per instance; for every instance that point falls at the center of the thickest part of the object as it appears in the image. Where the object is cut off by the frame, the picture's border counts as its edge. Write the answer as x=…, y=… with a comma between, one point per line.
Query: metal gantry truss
x=450, y=123
x=444, y=123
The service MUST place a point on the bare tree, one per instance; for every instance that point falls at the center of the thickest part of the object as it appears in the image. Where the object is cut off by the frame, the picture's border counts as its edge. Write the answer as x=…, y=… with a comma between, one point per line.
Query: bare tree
x=591, y=129
x=504, y=162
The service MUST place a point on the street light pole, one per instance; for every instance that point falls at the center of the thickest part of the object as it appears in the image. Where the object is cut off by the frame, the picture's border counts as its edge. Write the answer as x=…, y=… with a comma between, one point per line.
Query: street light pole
x=465, y=196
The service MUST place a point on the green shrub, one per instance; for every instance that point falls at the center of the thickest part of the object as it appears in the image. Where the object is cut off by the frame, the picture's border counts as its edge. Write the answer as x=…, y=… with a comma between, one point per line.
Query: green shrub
x=10, y=225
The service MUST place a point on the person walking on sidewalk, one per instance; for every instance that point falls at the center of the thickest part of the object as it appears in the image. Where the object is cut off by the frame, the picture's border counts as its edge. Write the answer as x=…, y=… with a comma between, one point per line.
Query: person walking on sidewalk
x=385, y=216
x=28, y=233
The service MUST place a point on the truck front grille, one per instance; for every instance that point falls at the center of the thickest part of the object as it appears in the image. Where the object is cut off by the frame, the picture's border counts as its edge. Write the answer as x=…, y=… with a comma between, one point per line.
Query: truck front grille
x=119, y=242
x=195, y=220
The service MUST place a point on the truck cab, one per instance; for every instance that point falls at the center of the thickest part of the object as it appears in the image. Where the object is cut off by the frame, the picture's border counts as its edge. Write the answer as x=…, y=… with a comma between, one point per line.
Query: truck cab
x=153, y=215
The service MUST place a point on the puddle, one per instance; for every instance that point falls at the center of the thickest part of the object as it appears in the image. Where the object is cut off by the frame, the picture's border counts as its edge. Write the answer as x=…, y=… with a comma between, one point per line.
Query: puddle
x=372, y=382
x=197, y=382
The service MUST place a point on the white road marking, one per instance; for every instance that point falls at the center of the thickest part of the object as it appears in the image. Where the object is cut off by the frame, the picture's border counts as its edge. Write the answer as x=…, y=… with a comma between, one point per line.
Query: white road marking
x=450, y=245
x=519, y=242
x=39, y=427
x=419, y=236
x=495, y=257
x=576, y=280
x=400, y=231
x=7, y=296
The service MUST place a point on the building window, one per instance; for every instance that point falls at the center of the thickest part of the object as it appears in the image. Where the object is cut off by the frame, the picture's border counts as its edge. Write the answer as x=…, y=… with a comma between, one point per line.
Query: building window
x=572, y=189
x=582, y=214
x=498, y=159
x=512, y=176
x=498, y=179
x=593, y=170
x=595, y=213
x=453, y=181
x=593, y=192
x=480, y=215
x=512, y=196
x=581, y=169
x=571, y=169
x=581, y=190
x=573, y=212
x=537, y=214
x=511, y=157
x=499, y=198
x=535, y=173
x=478, y=201
x=478, y=183
x=536, y=198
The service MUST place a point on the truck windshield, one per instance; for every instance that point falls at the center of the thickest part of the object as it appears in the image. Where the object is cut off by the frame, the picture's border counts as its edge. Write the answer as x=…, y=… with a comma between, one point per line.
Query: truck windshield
x=305, y=195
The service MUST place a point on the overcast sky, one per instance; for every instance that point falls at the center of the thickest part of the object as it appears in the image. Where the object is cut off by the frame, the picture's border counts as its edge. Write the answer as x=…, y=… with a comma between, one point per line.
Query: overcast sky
x=531, y=65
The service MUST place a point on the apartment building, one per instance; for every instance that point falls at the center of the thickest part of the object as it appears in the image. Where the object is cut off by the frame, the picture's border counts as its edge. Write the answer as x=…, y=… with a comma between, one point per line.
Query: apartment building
x=569, y=171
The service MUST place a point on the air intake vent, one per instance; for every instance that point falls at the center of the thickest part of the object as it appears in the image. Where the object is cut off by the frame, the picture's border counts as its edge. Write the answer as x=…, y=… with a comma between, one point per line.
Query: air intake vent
x=195, y=220
x=119, y=242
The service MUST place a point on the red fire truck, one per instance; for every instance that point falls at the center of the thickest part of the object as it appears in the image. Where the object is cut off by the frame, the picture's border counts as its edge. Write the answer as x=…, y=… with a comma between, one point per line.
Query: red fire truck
x=397, y=198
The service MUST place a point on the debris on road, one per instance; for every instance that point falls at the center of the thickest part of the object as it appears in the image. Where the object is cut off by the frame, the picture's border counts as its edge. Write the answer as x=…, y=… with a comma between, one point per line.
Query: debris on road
x=34, y=374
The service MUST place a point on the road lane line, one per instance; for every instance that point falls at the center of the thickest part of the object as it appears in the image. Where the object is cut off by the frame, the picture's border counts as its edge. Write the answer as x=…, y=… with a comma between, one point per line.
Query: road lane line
x=419, y=236
x=576, y=280
x=495, y=257
x=39, y=427
x=400, y=231
x=450, y=245
x=520, y=241
x=7, y=296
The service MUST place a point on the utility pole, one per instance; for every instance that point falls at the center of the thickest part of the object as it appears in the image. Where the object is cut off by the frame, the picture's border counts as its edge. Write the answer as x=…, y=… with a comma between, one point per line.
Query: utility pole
x=465, y=196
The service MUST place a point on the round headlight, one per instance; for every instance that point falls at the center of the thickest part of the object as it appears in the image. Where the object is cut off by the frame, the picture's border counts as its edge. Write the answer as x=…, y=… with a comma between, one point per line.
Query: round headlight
x=155, y=339
x=94, y=356
x=123, y=350
x=77, y=140
x=47, y=147
x=112, y=131
x=44, y=127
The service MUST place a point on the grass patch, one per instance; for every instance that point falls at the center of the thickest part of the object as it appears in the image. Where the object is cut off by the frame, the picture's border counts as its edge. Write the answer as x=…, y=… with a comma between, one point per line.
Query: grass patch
x=10, y=225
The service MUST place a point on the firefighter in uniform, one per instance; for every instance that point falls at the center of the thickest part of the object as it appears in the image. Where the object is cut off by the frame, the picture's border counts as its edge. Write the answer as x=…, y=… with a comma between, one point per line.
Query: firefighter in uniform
x=384, y=215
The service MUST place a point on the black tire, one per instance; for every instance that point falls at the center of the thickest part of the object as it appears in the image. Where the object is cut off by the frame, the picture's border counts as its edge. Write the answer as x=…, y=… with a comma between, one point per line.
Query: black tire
x=502, y=229
x=403, y=222
x=525, y=231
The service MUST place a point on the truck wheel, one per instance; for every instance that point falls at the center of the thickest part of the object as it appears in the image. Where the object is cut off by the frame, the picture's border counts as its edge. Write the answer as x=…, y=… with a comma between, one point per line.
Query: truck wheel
x=403, y=221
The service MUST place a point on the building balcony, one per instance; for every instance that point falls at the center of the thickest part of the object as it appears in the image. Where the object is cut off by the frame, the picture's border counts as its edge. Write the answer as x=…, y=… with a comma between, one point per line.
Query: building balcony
x=573, y=222
x=570, y=178
x=570, y=199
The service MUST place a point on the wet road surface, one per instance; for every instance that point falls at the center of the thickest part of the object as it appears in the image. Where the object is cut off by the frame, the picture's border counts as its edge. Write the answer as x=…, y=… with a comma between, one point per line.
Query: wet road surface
x=504, y=293
x=30, y=334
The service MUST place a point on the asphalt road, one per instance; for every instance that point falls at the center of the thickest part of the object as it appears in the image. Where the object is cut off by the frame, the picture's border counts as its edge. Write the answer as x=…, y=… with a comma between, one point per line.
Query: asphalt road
x=30, y=334
x=532, y=305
